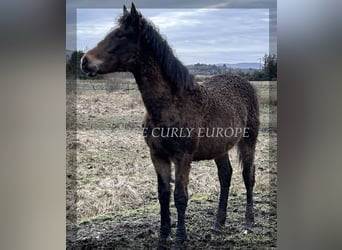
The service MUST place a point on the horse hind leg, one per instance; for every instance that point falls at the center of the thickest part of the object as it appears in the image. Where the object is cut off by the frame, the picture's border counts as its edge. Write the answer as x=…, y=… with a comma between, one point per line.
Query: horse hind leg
x=224, y=170
x=246, y=153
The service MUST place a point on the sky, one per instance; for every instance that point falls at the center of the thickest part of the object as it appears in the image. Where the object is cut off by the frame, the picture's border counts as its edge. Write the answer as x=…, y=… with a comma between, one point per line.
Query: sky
x=196, y=35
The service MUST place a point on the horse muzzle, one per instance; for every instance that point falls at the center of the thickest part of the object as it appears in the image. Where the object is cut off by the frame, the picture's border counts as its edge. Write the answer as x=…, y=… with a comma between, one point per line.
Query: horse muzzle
x=87, y=67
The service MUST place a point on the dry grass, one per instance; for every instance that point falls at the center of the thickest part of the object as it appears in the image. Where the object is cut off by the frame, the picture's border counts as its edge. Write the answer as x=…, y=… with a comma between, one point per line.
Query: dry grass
x=114, y=171
x=267, y=92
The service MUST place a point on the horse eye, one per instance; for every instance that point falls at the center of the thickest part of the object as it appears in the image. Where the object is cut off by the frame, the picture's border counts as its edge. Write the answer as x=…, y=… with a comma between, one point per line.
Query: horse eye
x=115, y=49
x=119, y=34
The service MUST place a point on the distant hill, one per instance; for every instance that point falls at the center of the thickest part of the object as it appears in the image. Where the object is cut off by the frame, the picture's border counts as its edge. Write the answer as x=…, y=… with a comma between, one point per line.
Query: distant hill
x=240, y=65
x=209, y=69
x=221, y=68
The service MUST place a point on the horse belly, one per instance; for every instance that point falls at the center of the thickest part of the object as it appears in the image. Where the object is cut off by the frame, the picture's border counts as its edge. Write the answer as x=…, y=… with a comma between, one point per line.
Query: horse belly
x=210, y=148
x=171, y=145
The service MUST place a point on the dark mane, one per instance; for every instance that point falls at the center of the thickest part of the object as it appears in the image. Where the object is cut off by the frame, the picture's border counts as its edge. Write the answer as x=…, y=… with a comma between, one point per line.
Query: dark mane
x=184, y=122
x=172, y=68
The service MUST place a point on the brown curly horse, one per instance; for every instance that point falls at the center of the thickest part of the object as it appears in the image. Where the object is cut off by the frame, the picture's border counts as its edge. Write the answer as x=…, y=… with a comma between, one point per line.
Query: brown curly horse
x=185, y=121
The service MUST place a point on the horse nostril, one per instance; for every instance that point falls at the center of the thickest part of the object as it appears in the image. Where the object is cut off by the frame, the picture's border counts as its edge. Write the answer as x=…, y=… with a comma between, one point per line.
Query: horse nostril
x=84, y=62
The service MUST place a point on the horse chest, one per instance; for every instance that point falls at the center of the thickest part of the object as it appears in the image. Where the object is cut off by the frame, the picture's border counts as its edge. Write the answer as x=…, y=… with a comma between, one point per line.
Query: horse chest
x=169, y=140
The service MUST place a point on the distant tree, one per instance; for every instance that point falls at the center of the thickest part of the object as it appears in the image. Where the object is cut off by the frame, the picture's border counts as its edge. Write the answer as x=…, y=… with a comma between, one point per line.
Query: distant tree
x=258, y=75
x=270, y=67
x=267, y=73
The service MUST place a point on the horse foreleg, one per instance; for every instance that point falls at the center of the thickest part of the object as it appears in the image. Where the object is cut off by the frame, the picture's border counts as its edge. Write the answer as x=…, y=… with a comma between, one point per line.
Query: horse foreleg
x=162, y=166
x=224, y=169
x=181, y=200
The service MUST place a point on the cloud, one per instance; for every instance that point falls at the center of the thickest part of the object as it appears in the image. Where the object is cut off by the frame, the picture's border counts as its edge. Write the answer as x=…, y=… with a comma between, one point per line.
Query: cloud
x=197, y=35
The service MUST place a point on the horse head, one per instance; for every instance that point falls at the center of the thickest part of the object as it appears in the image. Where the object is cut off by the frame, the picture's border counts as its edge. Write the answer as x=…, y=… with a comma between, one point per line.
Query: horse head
x=119, y=51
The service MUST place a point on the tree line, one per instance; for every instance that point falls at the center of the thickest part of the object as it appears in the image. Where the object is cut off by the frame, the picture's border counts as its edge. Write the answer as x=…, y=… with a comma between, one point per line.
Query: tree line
x=267, y=73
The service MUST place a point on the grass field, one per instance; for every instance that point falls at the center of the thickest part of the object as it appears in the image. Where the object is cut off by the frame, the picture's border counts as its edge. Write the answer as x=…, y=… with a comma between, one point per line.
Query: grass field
x=114, y=176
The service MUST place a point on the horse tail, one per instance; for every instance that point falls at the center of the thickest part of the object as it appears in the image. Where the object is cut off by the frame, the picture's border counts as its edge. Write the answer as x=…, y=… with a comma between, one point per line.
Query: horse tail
x=246, y=145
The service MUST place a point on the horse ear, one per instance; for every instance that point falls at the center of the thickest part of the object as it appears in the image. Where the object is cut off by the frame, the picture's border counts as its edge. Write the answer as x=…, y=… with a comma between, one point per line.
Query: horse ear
x=125, y=11
x=134, y=10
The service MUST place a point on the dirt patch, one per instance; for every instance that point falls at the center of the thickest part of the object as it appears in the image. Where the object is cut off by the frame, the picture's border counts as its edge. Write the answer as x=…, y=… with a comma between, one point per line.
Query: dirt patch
x=140, y=230
x=112, y=184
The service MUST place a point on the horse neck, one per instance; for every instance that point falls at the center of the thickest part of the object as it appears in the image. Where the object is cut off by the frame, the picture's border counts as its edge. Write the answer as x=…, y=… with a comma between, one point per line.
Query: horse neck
x=156, y=92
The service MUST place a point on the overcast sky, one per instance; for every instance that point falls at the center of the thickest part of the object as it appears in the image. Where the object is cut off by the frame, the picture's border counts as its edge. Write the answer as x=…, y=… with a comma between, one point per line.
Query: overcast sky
x=196, y=35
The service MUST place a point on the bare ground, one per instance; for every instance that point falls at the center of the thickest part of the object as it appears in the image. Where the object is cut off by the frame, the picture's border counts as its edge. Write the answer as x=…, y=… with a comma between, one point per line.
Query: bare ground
x=140, y=230
x=112, y=199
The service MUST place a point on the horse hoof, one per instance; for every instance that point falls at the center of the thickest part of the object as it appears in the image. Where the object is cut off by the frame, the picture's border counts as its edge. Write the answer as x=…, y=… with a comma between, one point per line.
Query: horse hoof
x=160, y=247
x=218, y=229
x=250, y=223
x=249, y=218
x=162, y=244
x=180, y=244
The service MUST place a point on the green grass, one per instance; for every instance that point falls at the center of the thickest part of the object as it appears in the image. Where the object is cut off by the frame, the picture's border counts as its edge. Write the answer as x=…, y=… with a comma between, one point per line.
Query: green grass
x=114, y=170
